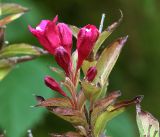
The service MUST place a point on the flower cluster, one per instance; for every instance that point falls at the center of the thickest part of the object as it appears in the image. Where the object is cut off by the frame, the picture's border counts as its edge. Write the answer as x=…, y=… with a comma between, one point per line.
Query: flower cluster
x=90, y=120
x=56, y=38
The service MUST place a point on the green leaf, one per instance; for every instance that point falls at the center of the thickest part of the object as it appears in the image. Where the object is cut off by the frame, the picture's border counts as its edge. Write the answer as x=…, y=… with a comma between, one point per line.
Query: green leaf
x=16, y=97
x=111, y=111
x=10, y=18
x=105, y=34
x=108, y=59
x=102, y=104
x=7, y=64
x=5, y=68
x=17, y=53
x=4, y=71
x=20, y=49
x=75, y=30
x=103, y=119
x=10, y=12
x=90, y=90
x=74, y=59
x=147, y=124
x=11, y=8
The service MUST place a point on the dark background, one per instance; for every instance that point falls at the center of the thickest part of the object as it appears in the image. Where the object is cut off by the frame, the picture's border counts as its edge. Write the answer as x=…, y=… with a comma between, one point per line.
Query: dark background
x=136, y=72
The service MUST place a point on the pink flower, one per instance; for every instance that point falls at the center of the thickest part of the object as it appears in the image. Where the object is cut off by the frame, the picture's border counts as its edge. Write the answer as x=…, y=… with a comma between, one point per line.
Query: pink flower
x=65, y=35
x=91, y=73
x=63, y=59
x=87, y=37
x=52, y=35
x=54, y=85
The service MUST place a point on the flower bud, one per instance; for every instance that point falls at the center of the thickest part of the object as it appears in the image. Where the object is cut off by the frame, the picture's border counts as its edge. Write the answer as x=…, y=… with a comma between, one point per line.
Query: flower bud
x=54, y=85
x=91, y=73
x=87, y=37
x=63, y=59
x=65, y=35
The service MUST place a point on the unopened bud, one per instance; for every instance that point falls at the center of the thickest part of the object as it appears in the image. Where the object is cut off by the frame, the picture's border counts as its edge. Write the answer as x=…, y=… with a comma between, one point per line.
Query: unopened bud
x=91, y=73
x=54, y=85
x=63, y=59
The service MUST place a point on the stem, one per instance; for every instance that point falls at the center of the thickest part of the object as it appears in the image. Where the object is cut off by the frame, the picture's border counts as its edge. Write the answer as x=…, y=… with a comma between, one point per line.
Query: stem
x=72, y=92
x=101, y=23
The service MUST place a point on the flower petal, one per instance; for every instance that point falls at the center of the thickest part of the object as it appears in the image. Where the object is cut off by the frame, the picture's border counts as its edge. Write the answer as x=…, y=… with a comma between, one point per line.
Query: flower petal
x=42, y=26
x=52, y=34
x=65, y=35
x=42, y=39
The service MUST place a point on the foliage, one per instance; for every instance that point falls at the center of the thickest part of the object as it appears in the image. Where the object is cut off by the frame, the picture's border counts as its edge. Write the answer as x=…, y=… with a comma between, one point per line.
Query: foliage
x=10, y=55
x=14, y=107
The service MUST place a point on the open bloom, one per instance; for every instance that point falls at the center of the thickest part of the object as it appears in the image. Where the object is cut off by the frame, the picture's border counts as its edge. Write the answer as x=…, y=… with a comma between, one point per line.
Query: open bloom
x=52, y=35
x=54, y=85
x=86, y=39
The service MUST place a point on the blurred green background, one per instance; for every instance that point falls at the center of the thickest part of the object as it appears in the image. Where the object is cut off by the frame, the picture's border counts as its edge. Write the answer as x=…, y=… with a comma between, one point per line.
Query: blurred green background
x=136, y=72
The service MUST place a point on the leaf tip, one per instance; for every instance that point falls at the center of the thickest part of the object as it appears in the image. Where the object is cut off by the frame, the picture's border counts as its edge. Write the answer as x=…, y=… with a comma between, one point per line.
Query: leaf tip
x=123, y=40
x=39, y=99
x=138, y=99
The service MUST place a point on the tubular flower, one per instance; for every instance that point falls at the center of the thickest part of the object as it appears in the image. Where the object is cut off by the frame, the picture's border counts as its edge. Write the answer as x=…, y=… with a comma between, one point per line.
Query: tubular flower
x=63, y=59
x=91, y=73
x=65, y=35
x=87, y=36
x=51, y=35
x=54, y=85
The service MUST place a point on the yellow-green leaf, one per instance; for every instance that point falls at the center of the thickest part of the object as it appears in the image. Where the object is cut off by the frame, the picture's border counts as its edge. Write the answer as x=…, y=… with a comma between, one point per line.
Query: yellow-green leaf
x=75, y=30
x=108, y=59
x=20, y=49
x=10, y=12
x=105, y=34
x=147, y=124
x=4, y=71
x=11, y=8
x=103, y=119
x=7, y=64
x=90, y=90
x=74, y=59
x=102, y=104
x=111, y=111
x=9, y=19
x=5, y=67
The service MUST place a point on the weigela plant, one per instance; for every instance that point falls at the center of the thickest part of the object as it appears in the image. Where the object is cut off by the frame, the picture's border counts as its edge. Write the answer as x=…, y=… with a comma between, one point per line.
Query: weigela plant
x=86, y=104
